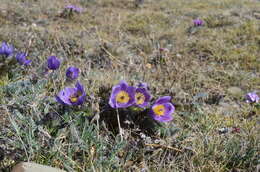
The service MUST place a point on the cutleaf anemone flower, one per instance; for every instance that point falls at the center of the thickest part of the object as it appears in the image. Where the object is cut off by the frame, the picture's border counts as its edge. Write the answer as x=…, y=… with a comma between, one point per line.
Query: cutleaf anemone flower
x=162, y=109
x=122, y=95
x=21, y=58
x=6, y=49
x=197, y=22
x=72, y=96
x=53, y=62
x=252, y=97
x=142, y=95
x=72, y=73
x=74, y=8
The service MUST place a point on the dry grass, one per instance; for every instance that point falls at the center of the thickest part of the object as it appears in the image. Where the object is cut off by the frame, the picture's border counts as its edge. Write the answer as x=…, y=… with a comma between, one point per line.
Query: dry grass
x=112, y=40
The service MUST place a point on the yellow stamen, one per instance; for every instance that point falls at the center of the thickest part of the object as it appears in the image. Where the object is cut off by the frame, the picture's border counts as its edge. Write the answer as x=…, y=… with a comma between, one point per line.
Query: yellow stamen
x=73, y=99
x=140, y=98
x=159, y=110
x=122, y=97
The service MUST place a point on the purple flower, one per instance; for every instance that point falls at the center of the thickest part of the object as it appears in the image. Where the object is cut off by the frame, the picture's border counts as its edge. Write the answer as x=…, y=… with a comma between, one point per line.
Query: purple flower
x=122, y=95
x=142, y=85
x=72, y=96
x=74, y=8
x=53, y=62
x=72, y=73
x=197, y=22
x=21, y=58
x=163, y=49
x=142, y=95
x=162, y=109
x=252, y=97
x=6, y=49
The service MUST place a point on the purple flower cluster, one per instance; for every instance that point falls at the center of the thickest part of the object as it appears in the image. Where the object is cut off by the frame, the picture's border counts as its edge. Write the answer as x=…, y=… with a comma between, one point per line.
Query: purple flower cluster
x=22, y=60
x=123, y=96
x=74, y=8
x=6, y=49
x=198, y=22
x=252, y=97
x=68, y=96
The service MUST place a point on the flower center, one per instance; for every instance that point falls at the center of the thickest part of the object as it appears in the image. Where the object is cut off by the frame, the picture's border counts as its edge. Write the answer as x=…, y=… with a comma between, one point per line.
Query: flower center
x=73, y=99
x=159, y=110
x=139, y=98
x=122, y=97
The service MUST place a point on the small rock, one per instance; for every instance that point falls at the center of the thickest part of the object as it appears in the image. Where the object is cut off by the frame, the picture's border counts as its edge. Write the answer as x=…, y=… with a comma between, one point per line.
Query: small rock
x=258, y=168
x=33, y=167
x=178, y=55
x=256, y=14
x=235, y=91
x=120, y=50
x=34, y=25
x=222, y=130
x=227, y=109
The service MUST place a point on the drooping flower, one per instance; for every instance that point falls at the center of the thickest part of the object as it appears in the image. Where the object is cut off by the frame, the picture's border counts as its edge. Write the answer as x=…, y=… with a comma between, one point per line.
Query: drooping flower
x=166, y=50
x=162, y=109
x=252, y=97
x=6, y=49
x=72, y=96
x=53, y=62
x=21, y=58
x=198, y=22
x=122, y=95
x=72, y=73
x=74, y=8
x=142, y=95
x=235, y=130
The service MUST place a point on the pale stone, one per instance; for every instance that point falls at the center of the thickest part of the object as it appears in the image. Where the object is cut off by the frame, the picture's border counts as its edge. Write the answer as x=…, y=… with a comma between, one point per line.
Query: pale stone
x=228, y=109
x=235, y=91
x=257, y=15
x=33, y=167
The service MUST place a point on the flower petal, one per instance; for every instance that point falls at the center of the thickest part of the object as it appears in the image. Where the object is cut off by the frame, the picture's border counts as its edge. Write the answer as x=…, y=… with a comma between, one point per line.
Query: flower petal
x=72, y=73
x=80, y=87
x=112, y=99
x=142, y=85
x=123, y=84
x=53, y=62
x=162, y=100
x=169, y=108
x=27, y=62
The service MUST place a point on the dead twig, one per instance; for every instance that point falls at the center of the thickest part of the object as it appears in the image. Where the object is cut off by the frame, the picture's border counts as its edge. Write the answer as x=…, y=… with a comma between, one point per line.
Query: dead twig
x=164, y=146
